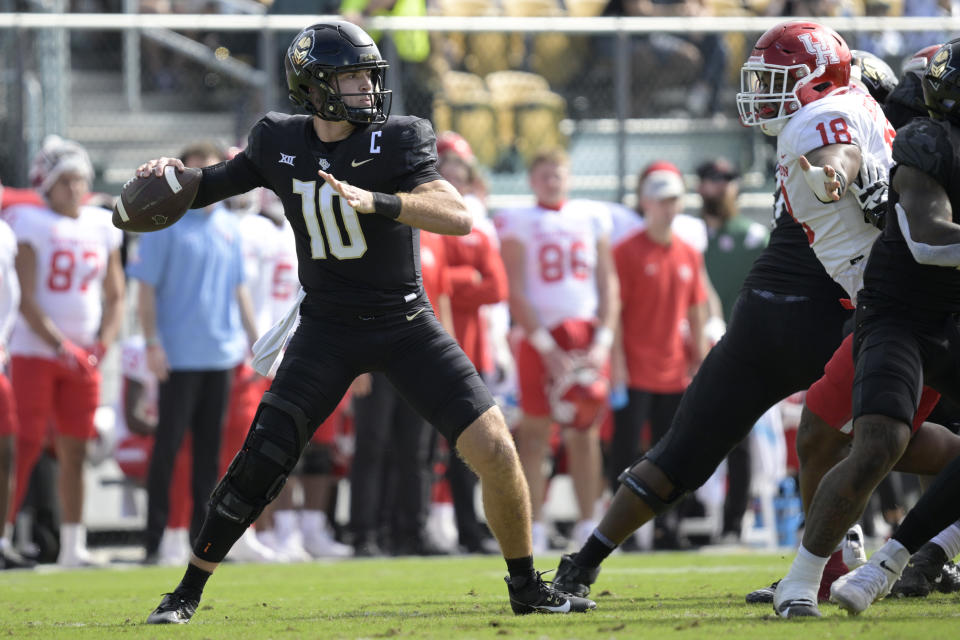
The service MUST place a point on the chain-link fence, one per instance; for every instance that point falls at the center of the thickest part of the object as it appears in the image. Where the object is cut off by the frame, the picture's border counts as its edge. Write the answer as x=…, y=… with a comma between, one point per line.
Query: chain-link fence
x=617, y=93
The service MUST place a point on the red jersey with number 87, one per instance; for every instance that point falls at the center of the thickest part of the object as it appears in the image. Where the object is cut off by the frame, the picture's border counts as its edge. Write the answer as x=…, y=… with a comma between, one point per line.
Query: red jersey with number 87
x=837, y=232
x=71, y=263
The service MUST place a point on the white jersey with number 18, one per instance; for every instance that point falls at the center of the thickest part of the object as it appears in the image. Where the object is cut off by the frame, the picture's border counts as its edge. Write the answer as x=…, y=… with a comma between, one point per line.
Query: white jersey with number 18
x=837, y=231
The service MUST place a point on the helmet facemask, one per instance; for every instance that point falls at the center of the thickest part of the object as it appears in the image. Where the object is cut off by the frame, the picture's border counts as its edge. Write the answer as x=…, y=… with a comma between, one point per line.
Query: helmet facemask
x=325, y=100
x=770, y=93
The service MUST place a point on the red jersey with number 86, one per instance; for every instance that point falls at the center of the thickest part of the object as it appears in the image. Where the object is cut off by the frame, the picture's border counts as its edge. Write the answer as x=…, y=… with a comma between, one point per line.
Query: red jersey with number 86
x=837, y=232
x=71, y=263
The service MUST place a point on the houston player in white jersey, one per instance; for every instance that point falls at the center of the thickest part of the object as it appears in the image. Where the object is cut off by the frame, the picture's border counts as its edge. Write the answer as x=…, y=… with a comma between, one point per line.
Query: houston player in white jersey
x=563, y=294
x=68, y=263
x=9, y=302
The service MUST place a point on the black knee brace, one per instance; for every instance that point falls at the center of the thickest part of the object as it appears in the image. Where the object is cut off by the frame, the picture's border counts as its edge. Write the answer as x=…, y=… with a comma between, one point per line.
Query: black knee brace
x=639, y=486
x=260, y=469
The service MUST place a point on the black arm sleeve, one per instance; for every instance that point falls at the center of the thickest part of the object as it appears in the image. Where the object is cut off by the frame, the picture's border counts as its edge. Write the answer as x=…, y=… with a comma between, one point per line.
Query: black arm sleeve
x=225, y=179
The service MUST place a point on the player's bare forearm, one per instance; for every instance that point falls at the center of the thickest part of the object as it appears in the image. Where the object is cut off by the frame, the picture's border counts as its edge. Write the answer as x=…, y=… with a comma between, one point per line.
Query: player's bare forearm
x=436, y=206
x=697, y=318
x=38, y=321
x=843, y=158
x=113, y=289
x=608, y=287
x=247, y=315
x=432, y=206
x=926, y=218
x=147, y=310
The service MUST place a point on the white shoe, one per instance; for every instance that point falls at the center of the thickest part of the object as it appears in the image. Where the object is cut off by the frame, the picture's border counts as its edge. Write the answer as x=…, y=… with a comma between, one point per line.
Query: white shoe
x=321, y=544
x=862, y=587
x=249, y=549
x=78, y=558
x=290, y=548
x=854, y=554
x=174, y=547
x=538, y=532
x=582, y=531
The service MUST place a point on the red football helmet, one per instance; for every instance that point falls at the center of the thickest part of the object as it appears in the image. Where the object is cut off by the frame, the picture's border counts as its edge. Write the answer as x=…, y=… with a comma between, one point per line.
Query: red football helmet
x=578, y=398
x=792, y=64
x=453, y=142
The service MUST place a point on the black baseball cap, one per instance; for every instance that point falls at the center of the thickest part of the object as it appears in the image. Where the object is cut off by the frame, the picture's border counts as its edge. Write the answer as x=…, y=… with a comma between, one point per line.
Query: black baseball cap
x=717, y=169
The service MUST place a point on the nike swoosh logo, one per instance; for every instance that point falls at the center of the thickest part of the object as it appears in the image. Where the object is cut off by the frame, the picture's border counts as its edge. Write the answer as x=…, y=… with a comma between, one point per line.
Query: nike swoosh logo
x=411, y=316
x=565, y=608
x=883, y=564
x=354, y=163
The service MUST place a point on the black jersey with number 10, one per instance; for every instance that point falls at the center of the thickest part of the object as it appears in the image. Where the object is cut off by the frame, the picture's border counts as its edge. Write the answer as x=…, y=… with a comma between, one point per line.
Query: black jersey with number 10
x=347, y=259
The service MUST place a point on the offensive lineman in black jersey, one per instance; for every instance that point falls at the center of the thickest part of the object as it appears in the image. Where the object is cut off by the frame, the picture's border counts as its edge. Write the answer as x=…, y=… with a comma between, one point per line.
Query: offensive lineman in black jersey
x=907, y=331
x=364, y=309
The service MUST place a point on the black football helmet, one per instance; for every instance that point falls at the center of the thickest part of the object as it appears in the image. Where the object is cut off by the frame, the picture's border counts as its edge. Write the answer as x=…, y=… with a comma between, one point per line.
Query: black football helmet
x=875, y=74
x=941, y=83
x=315, y=58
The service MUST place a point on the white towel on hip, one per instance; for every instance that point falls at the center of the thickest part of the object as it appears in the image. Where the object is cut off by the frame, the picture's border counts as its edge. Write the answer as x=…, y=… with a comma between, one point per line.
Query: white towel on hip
x=267, y=349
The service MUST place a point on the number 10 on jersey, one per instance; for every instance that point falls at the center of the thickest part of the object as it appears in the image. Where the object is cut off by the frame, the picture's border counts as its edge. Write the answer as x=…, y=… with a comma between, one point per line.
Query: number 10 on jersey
x=329, y=201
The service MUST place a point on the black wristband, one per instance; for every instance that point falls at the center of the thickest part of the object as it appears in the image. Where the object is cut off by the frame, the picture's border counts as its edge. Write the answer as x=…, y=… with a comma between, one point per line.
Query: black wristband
x=387, y=205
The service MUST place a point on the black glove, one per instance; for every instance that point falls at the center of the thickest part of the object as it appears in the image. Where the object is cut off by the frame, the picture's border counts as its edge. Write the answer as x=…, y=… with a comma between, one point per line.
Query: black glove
x=870, y=189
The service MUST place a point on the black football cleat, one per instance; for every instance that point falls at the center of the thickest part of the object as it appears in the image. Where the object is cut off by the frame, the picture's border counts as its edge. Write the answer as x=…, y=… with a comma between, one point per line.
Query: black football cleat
x=574, y=579
x=533, y=595
x=949, y=578
x=797, y=608
x=922, y=574
x=763, y=595
x=175, y=608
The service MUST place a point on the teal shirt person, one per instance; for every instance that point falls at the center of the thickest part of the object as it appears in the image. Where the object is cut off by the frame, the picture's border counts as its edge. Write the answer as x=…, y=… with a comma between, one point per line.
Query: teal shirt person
x=731, y=249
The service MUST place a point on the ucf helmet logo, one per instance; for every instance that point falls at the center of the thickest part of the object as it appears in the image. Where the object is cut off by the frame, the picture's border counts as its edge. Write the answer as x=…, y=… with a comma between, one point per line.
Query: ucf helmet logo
x=159, y=220
x=301, y=51
x=938, y=66
x=824, y=53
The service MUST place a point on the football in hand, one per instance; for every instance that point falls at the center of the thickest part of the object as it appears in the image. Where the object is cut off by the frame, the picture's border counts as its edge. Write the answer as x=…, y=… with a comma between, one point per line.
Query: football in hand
x=156, y=202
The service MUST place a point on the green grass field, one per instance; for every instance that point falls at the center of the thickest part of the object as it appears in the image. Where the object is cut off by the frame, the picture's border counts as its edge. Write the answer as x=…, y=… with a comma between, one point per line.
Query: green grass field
x=681, y=595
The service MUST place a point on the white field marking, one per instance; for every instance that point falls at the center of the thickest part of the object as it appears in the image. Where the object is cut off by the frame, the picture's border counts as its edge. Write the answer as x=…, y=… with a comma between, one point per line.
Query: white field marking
x=170, y=174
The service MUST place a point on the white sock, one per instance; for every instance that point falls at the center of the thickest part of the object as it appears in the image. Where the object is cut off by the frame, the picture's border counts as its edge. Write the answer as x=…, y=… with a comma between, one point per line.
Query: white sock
x=313, y=520
x=803, y=579
x=285, y=522
x=893, y=555
x=949, y=540
x=7, y=537
x=69, y=538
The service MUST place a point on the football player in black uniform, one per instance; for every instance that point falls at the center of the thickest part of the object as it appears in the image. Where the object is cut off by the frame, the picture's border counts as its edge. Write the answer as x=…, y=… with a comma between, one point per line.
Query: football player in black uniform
x=785, y=326
x=907, y=331
x=365, y=309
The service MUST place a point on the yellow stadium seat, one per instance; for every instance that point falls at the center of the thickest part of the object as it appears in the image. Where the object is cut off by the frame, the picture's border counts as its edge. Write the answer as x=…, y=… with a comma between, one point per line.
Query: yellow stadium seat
x=528, y=113
x=464, y=105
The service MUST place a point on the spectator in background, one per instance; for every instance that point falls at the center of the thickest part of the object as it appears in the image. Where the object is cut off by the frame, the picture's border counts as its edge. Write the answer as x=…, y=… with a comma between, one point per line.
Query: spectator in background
x=191, y=300
x=660, y=290
x=392, y=472
x=696, y=62
x=734, y=243
x=260, y=238
x=478, y=278
x=9, y=304
x=136, y=424
x=71, y=308
x=563, y=294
